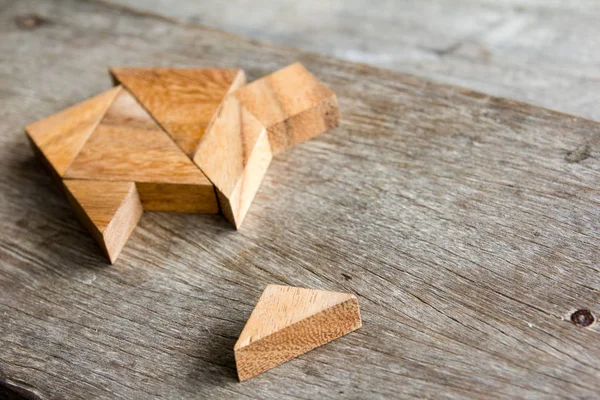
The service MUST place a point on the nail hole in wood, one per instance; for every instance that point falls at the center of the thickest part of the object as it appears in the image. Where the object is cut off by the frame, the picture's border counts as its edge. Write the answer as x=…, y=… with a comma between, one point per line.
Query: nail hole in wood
x=31, y=21
x=583, y=318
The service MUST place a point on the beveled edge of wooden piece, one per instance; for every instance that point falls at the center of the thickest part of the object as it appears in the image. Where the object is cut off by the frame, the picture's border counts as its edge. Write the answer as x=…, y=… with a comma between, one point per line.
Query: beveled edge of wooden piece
x=287, y=293
x=305, y=125
x=178, y=197
x=111, y=236
x=255, y=355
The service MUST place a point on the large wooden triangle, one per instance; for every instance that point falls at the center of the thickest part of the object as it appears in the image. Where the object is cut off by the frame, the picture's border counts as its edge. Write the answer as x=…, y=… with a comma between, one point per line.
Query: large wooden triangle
x=109, y=210
x=60, y=137
x=183, y=101
x=289, y=321
x=128, y=145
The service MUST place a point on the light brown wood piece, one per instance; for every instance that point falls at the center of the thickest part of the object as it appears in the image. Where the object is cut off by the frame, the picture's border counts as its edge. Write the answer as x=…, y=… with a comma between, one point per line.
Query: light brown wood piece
x=59, y=137
x=178, y=197
x=183, y=101
x=292, y=104
x=289, y=321
x=234, y=154
x=109, y=210
x=129, y=146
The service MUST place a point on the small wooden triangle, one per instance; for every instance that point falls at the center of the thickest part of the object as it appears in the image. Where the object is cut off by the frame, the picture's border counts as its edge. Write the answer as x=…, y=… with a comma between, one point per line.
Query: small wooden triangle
x=289, y=321
x=183, y=101
x=234, y=154
x=109, y=210
x=60, y=137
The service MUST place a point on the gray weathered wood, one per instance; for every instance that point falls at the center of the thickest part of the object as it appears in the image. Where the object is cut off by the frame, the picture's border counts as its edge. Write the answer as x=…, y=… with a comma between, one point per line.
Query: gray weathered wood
x=468, y=226
x=544, y=52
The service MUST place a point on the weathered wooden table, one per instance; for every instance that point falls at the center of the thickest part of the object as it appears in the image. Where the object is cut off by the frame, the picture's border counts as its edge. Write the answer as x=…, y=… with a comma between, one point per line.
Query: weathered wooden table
x=543, y=52
x=467, y=225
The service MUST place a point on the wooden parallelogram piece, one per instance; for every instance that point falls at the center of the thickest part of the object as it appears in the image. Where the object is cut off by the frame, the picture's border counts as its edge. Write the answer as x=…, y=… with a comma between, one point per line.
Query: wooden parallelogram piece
x=292, y=104
x=289, y=321
x=129, y=146
x=235, y=154
x=59, y=137
x=109, y=210
x=255, y=122
x=183, y=101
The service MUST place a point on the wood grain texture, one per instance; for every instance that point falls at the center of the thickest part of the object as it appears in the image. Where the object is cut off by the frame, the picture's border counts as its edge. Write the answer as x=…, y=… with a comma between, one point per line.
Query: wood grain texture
x=292, y=104
x=109, y=210
x=59, y=137
x=128, y=145
x=234, y=154
x=288, y=321
x=183, y=101
x=466, y=225
x=178, y=197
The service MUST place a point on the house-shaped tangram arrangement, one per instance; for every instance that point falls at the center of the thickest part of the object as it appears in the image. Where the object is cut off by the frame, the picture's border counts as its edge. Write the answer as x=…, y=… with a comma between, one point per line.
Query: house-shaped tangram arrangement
x=182, y=140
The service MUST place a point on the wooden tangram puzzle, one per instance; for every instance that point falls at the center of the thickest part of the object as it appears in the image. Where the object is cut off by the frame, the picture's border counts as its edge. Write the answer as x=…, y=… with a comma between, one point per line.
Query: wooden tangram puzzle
x=182, y=140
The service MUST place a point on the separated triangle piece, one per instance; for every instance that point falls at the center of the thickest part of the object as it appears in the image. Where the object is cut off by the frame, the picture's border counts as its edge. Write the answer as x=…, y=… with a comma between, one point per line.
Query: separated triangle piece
x=109, y=210
x=289, y=321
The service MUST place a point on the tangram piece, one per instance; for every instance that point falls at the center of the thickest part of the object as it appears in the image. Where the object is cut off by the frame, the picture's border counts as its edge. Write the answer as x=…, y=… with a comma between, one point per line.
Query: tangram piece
x=128, y=145
x=292, y=104
x=289, y=321
x=109, y=210
x=183, y=101
x=59, y=138
x=235, y=154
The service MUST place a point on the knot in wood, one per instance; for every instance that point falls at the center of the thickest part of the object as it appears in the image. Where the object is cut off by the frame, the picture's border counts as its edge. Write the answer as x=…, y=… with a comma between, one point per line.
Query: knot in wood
x=583, y=318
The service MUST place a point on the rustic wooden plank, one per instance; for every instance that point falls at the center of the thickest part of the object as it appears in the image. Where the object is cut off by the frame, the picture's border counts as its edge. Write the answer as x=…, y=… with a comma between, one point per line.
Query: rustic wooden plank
x=467, y=225
x=543, y=52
